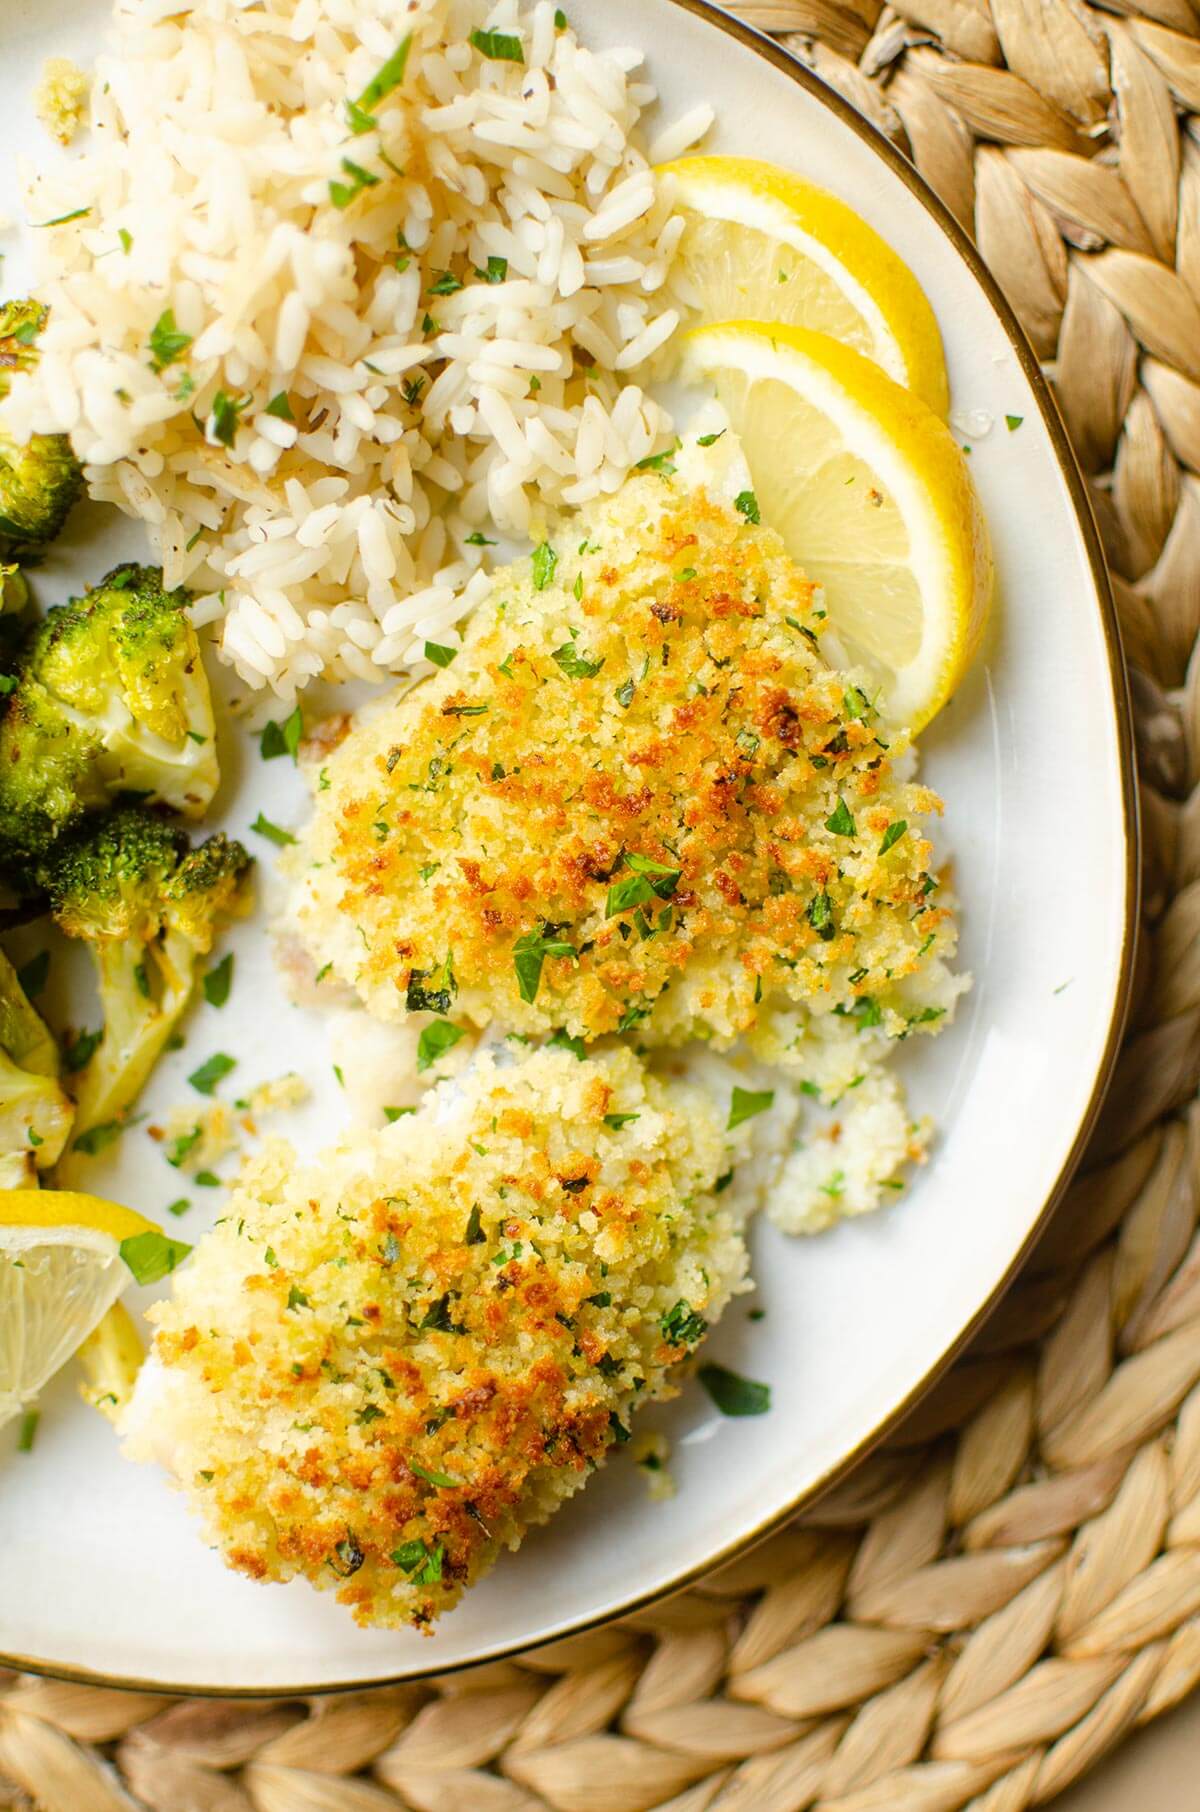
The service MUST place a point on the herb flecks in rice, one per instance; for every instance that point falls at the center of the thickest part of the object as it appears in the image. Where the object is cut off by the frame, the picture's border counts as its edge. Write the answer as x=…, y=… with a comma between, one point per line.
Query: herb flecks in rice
x=346, y=330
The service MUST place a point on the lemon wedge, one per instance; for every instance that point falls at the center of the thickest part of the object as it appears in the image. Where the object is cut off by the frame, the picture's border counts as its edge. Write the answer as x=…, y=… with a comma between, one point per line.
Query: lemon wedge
x=762, y=244
x=872, y=497
x=65, y=1258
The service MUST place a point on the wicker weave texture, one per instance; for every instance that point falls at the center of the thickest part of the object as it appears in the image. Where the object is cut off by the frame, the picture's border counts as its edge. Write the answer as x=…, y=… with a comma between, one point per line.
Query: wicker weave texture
x=1014, y=1583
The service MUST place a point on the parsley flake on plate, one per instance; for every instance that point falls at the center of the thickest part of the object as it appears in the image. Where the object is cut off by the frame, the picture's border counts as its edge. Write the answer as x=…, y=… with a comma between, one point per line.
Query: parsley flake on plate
x=218, y=981
x=435, y=1041
x=213, y=1070
x=733, y=1394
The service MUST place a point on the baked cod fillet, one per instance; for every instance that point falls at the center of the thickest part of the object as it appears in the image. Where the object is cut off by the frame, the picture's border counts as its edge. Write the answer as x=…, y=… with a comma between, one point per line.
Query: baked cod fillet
x=640, y=797
x=382, y=1368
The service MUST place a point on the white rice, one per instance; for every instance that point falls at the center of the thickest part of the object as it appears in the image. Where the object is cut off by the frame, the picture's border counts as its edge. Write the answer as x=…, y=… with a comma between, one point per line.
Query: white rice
x=337, y=543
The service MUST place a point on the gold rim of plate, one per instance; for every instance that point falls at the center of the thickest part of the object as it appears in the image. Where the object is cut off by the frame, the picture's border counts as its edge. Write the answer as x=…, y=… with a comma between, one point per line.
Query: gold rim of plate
x=899, y=165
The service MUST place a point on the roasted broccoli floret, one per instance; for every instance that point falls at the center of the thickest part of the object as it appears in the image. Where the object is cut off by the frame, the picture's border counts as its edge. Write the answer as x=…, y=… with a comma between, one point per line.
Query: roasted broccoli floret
x=149, y=907
x=40, y=480
x=35, y=1114
x=108, y=696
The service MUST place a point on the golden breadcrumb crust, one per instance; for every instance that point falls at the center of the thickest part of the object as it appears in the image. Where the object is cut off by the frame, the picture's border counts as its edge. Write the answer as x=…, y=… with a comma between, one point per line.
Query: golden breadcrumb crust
x=637, y=797
x=383, y=1367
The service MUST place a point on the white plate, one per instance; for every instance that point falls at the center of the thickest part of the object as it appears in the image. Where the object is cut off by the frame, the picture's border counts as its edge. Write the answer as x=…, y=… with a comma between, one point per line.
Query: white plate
x=101, y=1571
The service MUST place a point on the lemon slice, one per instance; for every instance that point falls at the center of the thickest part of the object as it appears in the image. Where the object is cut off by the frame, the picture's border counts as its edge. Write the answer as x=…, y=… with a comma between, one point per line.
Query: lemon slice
x=872, y=497
x=762, y=244
x=61, y=1270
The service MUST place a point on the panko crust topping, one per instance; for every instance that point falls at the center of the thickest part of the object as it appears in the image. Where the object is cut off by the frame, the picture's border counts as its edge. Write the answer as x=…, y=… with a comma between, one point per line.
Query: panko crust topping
x=382, y=1369
x=639, y=797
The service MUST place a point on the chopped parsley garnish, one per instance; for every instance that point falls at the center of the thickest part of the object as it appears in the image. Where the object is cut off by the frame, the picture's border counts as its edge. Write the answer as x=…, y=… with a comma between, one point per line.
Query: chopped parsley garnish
x=205, y=1079
x=648, y=880
x=634, y=890
x=180, y=1205
x=33, y=974
x=560, y=19
x=746, y=1104
x=439, y=1318
x=439, y=653
x=1013, y=422
x=208, y=1179
x=574, y=664
x=224, y=416
x=842, y=822
x=151, y=1256
x=180, y=1147
x=432, y=990
x=167, y=342
x=624, y=693
x=434, y=1478
x=544, y=562
x=663, y=879
x=273, y=832
x=282, y=739
x=28, y=1432
x=855, y=702
x=747, y=503
x=435, y=1041
x=280, y=407
x=62, y=219
x=218, y=981
x=631, y=1017
x=866, y=1012
x=892, y=835
x=496, y=272
x=660, y=462
x=297, y=1299
x=734, y=1395
x=392, y=1114
x=710, y=440
x=475, y=1235
x=617, y=1121
x=389, y=76
x=479, y=539
x=530, y=952
x=820, y=916
x=126, y=239
x=498, y=46
x=447, y=284
x=341, y=194
x=682, y=1326
x=423, y=1564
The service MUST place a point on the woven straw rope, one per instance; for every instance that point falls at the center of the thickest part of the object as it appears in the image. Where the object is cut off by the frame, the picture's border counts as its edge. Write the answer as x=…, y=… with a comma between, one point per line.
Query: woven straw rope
x=1014, y=1583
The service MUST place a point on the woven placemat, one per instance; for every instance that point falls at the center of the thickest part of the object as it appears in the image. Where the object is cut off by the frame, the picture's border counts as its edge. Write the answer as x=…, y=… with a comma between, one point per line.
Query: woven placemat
x=1013, y=1584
